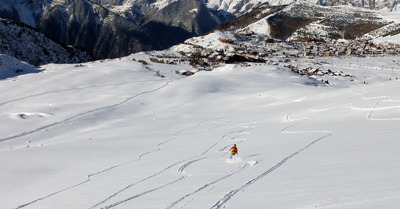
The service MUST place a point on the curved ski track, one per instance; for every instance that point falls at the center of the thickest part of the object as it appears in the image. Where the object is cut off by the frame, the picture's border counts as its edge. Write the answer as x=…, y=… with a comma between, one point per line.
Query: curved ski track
x=375, y=108
x=75, y=117
x=72, y=89
x=84, y=113
x=228, y=196
x=189, y=161
x=90, y=176
x=205, y=186
x=221, y=203
x=181, y=170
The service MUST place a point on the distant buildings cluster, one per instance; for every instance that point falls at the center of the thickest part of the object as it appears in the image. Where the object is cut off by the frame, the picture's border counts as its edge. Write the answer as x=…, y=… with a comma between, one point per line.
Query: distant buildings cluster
x=248, y=52
x=317, y=48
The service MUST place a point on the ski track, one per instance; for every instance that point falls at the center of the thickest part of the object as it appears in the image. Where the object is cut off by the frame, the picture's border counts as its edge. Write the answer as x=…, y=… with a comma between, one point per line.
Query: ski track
x=144, y=193
x=205, y=186
x=90, y=176
x=151, y=176
x=225, y=198
x=228, y=196
x=221, y=203
x=75, y=117
x=181, y=170
x=375, y=108
x=188, y=161
x=72, y=89
x=84, y=114
x=222, y=138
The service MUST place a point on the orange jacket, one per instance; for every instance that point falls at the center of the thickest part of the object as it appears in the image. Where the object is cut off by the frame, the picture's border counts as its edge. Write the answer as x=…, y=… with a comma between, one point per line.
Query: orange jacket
x=234, y=150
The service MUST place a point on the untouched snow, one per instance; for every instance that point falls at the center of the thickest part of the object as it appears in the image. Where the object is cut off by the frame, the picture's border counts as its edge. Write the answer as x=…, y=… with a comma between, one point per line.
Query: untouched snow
x=113, y=134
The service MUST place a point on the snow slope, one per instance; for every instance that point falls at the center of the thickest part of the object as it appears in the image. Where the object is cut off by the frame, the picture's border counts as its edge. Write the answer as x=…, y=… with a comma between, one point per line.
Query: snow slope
x=117, y=134
x=11, y=67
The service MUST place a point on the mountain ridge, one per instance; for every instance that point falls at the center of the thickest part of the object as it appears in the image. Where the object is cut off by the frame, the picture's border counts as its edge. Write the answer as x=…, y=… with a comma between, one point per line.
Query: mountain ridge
x=28, y=44
x=115, y=28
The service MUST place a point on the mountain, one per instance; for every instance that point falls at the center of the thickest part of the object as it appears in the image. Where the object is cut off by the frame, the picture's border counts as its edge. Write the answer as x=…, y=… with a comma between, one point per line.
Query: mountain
x=312, y=103
x=94, y=28
x=115, y=28
x=302, y=21
x=99, y=29
x=239, y=7
x=27, y=44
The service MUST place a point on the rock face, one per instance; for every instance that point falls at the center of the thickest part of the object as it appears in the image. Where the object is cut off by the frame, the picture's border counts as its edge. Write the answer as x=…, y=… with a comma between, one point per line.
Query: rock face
x=27, y=44
x=99, y=29
x=180, y=20
x=115, y=28
x=238, y=7
x=95, y=29
x=304, y=21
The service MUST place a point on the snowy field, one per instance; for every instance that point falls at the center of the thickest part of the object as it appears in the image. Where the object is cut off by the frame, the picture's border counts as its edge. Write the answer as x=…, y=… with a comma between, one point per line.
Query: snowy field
x=116, y=134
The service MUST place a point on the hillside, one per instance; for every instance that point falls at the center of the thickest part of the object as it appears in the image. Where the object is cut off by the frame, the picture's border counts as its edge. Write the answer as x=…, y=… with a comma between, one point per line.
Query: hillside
x=312, y=104
x=27, y=44
x=138, y=132
x=98, y=26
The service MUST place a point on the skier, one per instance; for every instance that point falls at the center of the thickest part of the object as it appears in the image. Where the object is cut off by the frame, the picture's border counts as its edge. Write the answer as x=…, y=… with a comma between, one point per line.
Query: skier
x=233, y=150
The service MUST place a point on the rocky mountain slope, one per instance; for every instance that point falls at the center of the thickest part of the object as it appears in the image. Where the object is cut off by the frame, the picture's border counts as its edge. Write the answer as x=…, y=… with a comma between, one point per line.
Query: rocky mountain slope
x=239, y=7
x=303, y=21
x=27, y=44
x=98, y=28
x=115, y=28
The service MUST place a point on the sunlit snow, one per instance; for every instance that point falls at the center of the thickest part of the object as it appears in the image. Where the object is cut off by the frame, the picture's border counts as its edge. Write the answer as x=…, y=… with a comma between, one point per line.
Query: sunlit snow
x=115, y=134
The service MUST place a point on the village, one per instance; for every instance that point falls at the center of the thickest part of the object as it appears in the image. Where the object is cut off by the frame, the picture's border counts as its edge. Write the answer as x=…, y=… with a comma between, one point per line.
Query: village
x=315, y=47
x=251, y=50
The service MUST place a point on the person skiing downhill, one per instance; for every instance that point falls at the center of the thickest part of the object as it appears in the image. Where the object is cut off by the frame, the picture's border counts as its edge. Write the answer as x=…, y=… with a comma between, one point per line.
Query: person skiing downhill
x=233, y=150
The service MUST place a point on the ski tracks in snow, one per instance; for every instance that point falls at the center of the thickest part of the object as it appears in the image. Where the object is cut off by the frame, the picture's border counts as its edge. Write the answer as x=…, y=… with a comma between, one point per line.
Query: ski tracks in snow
x=376, y=108
x=206, y=186
x=189, y=161
x=296, y=122
x=228, y=196
x=181, y=169
x=383, y=103
x=90, y=176
x=221, y=202
x=84, y=113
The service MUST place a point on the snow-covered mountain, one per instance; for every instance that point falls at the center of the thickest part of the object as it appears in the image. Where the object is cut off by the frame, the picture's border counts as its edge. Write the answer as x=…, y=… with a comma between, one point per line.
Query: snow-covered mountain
x=98, y=26
x=243, y=6
x=115, y=28
x=238, y=7
x=27, y=44
x=302, y=21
